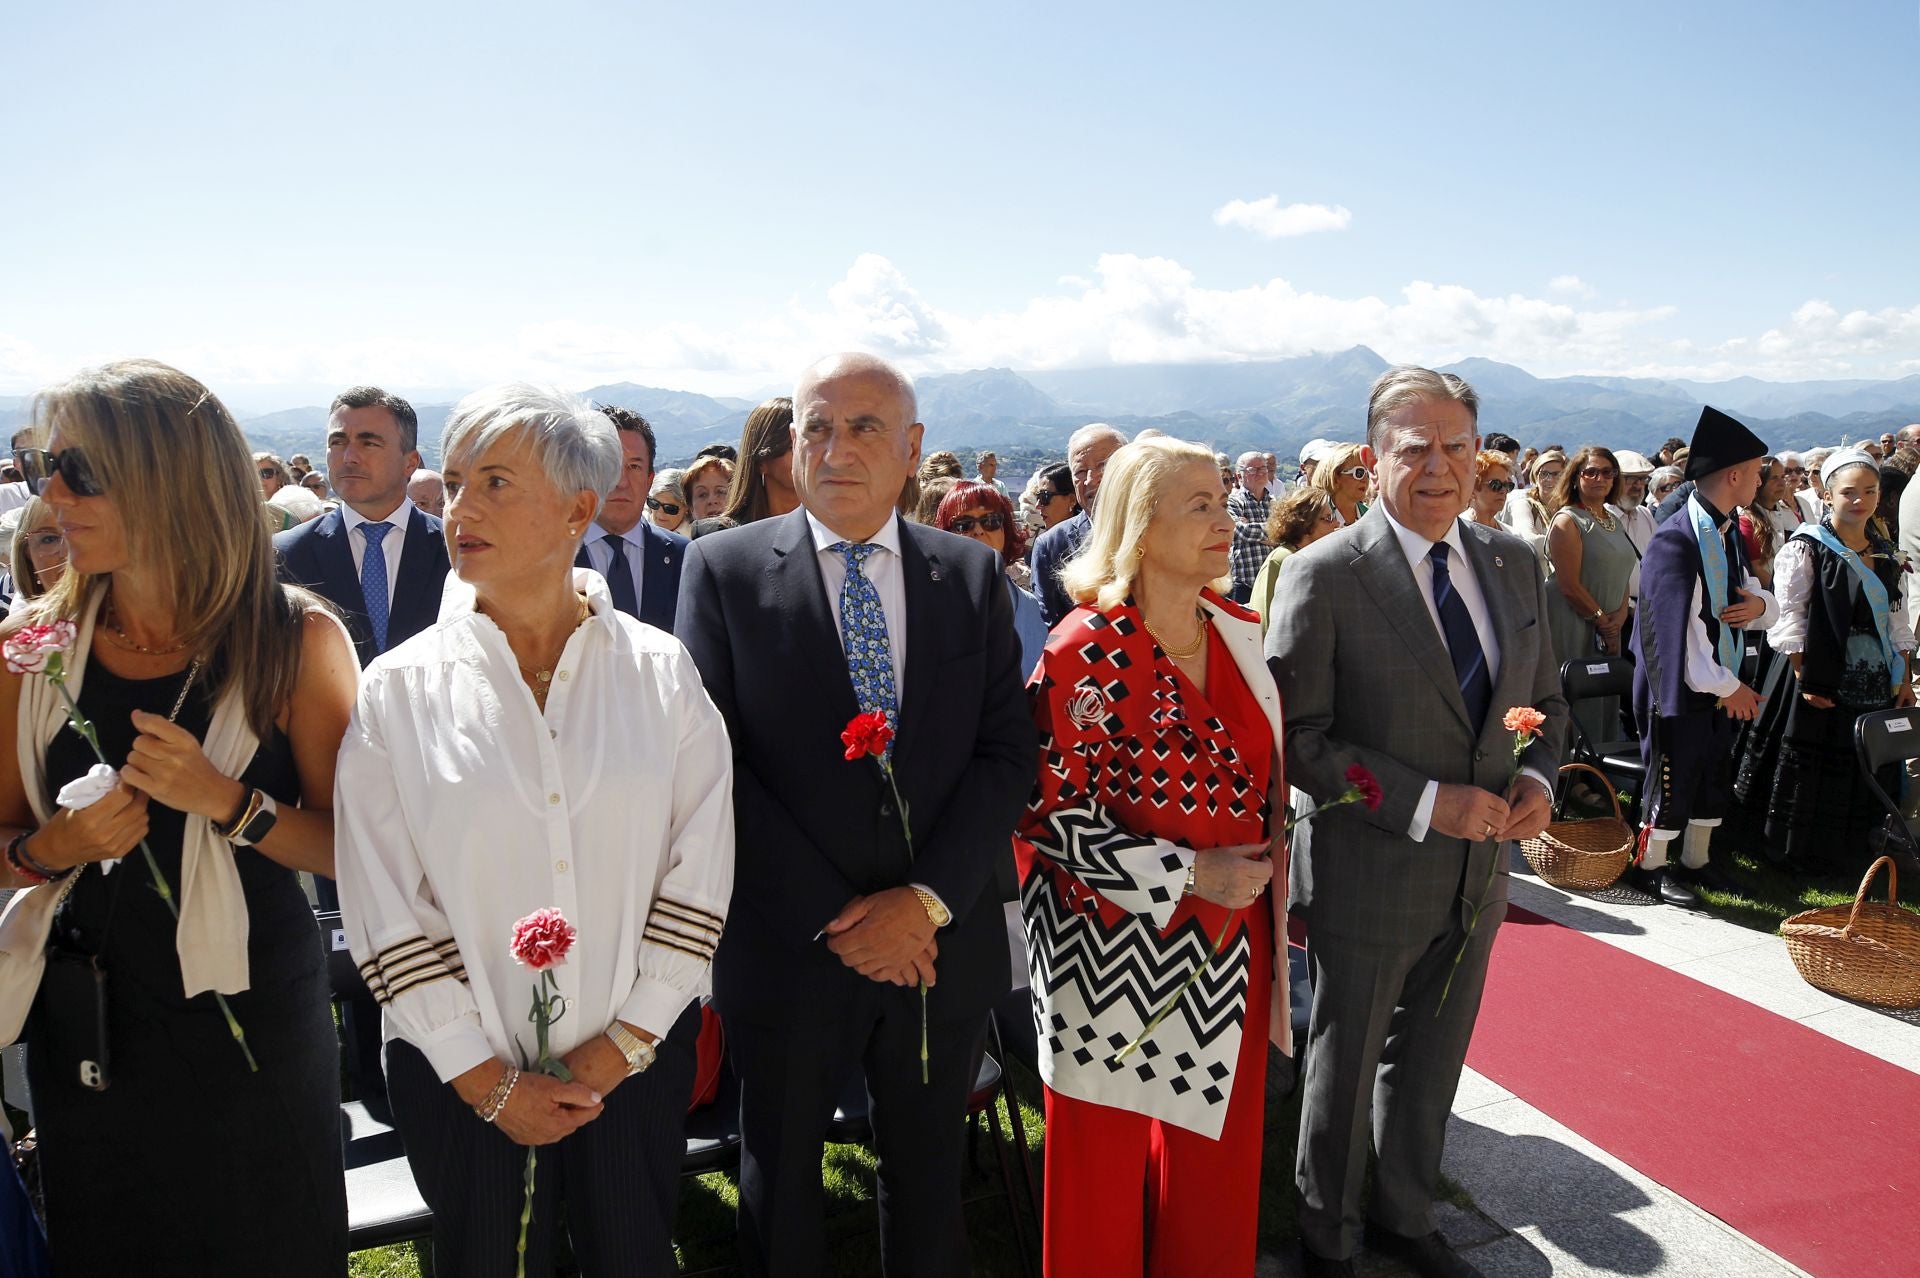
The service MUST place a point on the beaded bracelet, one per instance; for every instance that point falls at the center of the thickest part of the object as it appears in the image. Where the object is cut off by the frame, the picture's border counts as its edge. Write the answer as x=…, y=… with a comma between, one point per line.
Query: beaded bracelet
x=22, y=863
x=496, y=1100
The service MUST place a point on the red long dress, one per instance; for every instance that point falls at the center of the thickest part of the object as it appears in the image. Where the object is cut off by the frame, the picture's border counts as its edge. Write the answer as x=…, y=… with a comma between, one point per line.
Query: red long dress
x=1138, y=765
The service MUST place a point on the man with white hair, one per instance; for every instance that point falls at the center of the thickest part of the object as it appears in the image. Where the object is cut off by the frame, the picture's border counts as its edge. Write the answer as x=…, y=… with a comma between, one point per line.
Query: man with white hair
x=428, y=490
x=1087, y=451
x=1249, y=506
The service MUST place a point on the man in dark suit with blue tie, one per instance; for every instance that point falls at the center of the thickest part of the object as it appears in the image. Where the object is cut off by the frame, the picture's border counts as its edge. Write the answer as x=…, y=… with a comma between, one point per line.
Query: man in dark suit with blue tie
x=797, y=624
x=640, y=562
x=381, y=561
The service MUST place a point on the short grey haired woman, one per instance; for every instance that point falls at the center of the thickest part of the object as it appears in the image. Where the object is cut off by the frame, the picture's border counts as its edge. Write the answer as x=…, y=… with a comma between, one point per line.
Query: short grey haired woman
x=534, y=748
x=667, y=502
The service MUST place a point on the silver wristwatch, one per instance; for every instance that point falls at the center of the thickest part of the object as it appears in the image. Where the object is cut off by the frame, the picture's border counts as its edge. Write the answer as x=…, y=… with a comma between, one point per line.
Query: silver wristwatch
x=638, y=1051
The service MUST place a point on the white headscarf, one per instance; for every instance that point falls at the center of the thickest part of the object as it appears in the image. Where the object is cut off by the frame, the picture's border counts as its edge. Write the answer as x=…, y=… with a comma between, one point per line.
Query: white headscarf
x=1843, y=458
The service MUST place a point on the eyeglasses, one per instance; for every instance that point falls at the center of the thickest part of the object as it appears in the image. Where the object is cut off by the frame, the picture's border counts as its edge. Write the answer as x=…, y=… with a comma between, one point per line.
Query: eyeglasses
x=992, y=521
x=1596, y=472
x=1796, y=470
x=1661, y=490
x=1353, y=472
x=37, y=465
x=268, y=472
x=664, y=507
x=1501, y=485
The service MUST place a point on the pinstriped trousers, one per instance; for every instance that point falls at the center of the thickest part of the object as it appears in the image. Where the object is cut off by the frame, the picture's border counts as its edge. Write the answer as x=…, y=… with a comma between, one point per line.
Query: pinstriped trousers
x=616, y=1180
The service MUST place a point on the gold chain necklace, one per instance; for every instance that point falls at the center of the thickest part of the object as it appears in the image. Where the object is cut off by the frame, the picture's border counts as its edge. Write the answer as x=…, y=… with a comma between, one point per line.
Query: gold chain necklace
x=113, y=625
x=1607, y=522
x=543, y=679
x=1181, y=654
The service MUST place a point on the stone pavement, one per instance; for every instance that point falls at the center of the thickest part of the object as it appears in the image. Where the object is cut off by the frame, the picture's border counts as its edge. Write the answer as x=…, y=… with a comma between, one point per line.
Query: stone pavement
x=1548, y=1201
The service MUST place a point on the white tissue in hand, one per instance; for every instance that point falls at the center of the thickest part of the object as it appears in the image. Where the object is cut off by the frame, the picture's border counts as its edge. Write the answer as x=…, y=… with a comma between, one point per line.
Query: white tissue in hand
x=85, y=791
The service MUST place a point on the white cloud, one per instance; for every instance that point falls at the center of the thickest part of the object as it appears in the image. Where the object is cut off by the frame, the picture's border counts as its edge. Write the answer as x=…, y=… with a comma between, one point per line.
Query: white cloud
x=1571, y=286
x=1265, y=217
x=1128, y=309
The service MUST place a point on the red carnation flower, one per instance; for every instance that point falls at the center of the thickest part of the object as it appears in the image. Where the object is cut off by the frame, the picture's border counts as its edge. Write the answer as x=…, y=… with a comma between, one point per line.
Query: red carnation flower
x=1367, y=784
x=541, y=940
x=867, y=734
x=1523, y=719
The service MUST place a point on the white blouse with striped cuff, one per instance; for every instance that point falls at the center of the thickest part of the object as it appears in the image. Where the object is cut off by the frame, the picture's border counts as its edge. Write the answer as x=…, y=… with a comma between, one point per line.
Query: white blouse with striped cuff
x=460, y=808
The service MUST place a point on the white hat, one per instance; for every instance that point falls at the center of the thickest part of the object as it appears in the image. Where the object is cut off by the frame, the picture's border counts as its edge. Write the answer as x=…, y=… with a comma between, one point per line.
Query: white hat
x=1632, y=463
x=1311, y=450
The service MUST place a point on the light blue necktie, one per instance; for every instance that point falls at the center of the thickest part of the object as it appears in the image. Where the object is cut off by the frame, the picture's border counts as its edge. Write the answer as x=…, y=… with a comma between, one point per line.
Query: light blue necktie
x=373, y=581
x=863, y=626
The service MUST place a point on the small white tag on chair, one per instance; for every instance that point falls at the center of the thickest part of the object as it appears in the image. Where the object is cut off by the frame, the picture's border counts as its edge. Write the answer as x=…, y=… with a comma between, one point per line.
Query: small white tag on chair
x=1598, y=669
x=339, y=938
x=1899, y=725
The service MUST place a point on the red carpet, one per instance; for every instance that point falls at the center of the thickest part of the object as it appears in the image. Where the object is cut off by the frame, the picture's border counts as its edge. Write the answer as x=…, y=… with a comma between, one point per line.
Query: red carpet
x=1805, y=1145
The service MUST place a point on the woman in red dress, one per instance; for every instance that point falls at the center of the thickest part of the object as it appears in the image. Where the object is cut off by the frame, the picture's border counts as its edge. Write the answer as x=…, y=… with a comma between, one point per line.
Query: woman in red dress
x=1148, y=837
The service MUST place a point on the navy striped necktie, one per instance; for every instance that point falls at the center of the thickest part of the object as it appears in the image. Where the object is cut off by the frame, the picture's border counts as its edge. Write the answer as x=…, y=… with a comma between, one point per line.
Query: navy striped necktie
x=1463, y=642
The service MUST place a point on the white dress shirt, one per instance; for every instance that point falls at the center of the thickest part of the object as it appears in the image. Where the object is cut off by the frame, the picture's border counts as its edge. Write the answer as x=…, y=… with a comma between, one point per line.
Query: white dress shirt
x=599, y=554
x=1795, y=577
x=1704, y=671
x=390, y=545
x=460, y=808
x=884, y=570
x=1465, y=584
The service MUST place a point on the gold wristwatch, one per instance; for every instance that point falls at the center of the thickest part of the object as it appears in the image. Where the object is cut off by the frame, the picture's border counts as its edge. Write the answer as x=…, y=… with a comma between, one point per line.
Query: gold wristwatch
x=638, y=1051
x=938, y=913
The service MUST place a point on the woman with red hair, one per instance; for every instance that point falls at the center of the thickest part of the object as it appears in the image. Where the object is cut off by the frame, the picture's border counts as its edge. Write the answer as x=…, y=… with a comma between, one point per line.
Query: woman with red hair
x=982, y=512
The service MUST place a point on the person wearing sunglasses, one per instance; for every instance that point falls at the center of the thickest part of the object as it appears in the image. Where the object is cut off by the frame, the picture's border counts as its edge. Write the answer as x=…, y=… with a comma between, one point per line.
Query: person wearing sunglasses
x=1053, y=495
x=222, y=696
x=1492, y=482
x=1342, y=475
x=273, y=477
x=667, y=501
x=982, y=512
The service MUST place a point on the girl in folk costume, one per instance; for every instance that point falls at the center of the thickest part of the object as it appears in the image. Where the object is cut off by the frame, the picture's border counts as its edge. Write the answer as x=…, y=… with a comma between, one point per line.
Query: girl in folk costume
x=1697, y=595
x=1149, y=836
x=1843, y=624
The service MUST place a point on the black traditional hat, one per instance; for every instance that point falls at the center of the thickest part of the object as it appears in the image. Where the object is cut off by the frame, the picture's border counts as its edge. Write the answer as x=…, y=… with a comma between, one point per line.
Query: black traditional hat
x=1719, y=442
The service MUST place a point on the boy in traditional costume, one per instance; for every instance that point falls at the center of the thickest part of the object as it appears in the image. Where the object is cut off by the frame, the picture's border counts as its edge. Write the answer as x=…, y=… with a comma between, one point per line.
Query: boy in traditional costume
x=1698, y=594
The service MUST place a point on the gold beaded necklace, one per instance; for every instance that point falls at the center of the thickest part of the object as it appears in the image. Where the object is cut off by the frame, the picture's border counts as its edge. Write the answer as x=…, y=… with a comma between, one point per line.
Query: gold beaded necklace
x=1191, y=650
x=120, y=635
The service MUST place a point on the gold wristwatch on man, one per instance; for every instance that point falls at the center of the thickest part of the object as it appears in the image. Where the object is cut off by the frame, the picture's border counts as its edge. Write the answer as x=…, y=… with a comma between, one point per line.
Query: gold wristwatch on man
x=638, y=1051
x=938, y=913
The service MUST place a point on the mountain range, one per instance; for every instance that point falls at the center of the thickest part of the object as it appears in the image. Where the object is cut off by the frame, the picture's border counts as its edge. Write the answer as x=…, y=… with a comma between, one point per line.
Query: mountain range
x=1274, y=405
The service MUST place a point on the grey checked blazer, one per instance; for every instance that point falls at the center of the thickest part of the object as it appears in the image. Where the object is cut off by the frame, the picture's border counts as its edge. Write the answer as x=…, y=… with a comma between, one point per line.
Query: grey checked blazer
x=1365, y=678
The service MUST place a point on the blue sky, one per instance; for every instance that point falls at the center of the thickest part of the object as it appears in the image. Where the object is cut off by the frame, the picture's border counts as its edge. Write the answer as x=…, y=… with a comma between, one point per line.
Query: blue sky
x=282, y=198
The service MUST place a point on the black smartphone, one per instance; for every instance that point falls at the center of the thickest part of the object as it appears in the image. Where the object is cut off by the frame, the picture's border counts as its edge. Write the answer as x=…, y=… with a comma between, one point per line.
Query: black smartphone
x=73, y=1033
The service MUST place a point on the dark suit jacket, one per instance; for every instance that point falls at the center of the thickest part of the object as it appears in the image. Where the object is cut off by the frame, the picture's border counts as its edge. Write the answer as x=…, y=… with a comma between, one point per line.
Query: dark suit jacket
x=814, y=830
x=1365, y=678
x=317, y=555
x=659, y=579
x=1052, y=551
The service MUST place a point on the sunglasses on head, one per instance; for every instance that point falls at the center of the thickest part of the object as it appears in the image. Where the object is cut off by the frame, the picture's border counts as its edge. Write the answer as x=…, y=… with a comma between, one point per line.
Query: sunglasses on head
x=665, y=507
x=1501, y=485
x=992, y=521
x=37, y=465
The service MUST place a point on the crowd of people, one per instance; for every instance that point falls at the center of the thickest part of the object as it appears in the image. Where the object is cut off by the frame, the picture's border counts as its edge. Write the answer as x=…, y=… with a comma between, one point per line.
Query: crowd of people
x=1165, y=700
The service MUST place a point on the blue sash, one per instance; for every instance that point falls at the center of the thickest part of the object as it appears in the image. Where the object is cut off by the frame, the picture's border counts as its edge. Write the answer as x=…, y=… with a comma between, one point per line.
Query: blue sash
x=1731, y=645
x=1875, y=589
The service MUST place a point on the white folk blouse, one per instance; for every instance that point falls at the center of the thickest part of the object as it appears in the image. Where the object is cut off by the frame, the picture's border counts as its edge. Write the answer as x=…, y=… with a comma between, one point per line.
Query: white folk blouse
x=460, y=808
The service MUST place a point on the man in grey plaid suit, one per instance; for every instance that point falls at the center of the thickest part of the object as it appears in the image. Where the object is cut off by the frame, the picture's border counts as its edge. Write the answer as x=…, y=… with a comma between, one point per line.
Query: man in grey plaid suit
x=1399, y=643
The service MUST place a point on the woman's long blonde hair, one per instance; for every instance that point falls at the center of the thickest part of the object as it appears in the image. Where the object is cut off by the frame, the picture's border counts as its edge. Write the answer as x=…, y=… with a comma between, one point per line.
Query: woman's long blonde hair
x=1136, y=480
x=178, y=471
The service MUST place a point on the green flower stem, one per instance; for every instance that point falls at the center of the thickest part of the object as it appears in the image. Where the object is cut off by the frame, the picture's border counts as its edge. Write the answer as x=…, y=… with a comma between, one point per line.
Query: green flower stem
x=1520, y=740
x=548, y=1007
x=1350, y=795
x=526, y=1215
x=85, y=729
x=906, y=828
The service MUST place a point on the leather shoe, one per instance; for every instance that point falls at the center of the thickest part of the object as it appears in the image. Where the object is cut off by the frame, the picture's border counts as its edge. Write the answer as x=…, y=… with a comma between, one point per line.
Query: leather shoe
x=1315, y=1265
x=1660, y=885
x=1430, y=1256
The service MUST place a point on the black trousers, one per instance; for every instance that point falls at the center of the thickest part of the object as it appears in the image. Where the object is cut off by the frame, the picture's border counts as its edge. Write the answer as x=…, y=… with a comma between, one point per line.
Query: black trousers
x=790, y=1079
x=1689, y=761
x=618, y=1177
x=360, y=1027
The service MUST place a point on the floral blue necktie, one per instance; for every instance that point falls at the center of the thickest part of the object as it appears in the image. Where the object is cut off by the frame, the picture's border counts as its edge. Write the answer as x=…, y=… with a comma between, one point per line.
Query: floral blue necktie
x=863, y=628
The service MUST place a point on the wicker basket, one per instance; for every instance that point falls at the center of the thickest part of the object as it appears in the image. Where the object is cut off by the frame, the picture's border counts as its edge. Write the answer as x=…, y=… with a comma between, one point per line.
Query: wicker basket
x=1582, y=856
x=1863, y=951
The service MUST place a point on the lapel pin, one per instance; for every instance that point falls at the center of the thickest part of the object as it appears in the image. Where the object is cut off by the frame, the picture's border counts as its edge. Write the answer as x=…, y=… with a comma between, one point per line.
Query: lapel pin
x=1498, y=562
x=933, y=573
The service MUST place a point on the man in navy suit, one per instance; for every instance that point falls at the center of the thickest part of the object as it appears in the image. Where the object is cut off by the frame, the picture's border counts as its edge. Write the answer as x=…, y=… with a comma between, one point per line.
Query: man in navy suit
x=1087, y=452
x=381, y=561
x=797, y=624
x=640, y=562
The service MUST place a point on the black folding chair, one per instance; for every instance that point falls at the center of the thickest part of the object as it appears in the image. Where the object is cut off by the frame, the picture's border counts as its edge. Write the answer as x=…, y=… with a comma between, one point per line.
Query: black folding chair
x=1882, y=739
x=1590, y=679
x=383, y=1204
